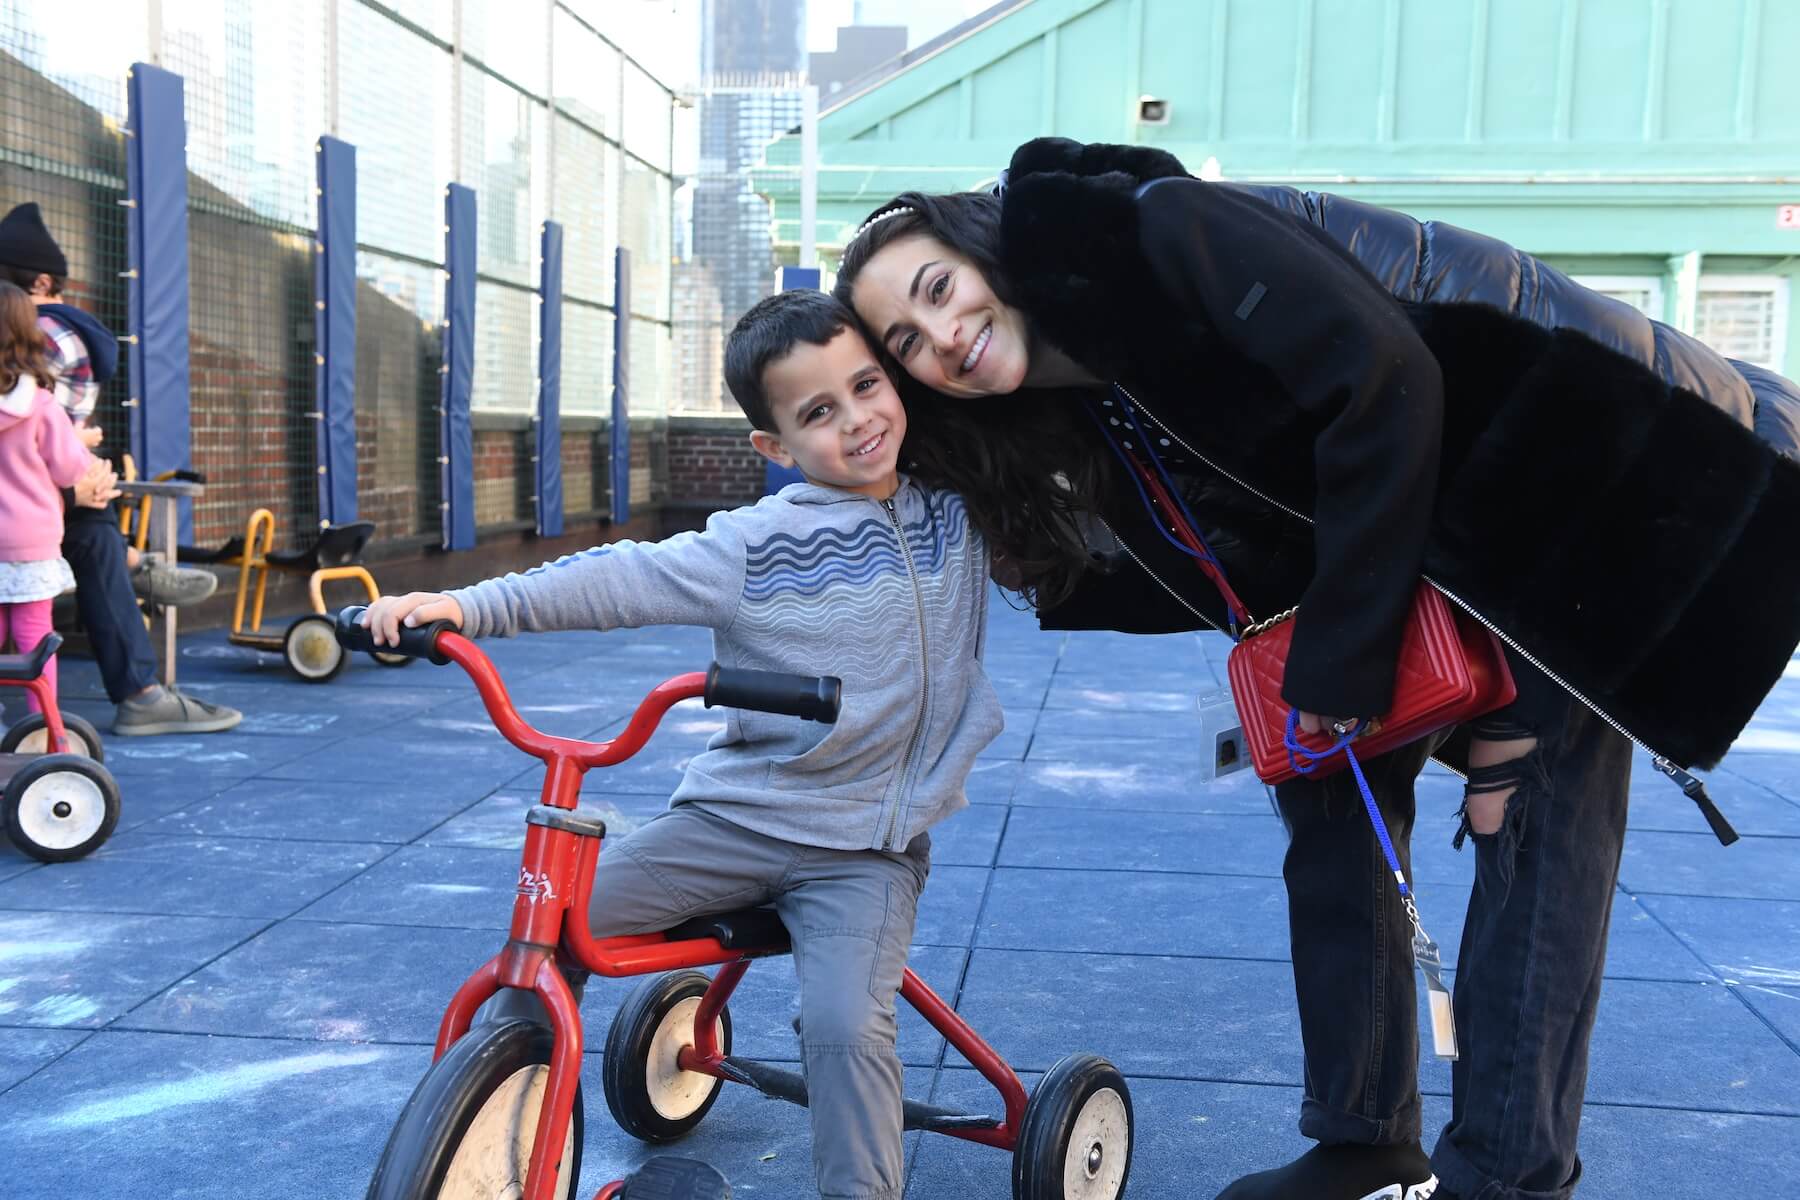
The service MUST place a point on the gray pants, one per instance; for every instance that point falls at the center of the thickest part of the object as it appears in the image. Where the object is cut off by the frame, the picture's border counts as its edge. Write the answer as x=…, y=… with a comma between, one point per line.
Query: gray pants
x=850, y=914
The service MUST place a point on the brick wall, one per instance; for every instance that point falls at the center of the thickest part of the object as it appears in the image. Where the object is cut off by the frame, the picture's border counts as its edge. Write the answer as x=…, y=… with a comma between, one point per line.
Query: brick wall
x=710, y=462
x=503, y=477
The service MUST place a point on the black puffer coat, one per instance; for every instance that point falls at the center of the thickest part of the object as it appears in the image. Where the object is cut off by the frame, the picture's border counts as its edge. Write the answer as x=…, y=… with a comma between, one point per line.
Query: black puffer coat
x=1585, y=478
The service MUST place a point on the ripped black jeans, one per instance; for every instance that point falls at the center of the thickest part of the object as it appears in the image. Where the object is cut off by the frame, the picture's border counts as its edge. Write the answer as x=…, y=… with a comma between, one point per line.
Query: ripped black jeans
x=1528, y=971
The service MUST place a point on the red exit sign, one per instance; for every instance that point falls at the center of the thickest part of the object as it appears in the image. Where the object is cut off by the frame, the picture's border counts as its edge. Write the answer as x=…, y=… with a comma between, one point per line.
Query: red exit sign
x=1787, y=216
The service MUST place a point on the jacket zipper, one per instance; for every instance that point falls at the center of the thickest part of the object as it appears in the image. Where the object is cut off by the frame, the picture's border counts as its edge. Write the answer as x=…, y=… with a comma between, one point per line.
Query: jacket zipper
x=912, y=742
x=1692, y=787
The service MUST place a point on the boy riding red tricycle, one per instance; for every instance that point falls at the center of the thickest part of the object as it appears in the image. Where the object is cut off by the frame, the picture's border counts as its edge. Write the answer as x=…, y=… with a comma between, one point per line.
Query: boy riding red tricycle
x=499, y=1097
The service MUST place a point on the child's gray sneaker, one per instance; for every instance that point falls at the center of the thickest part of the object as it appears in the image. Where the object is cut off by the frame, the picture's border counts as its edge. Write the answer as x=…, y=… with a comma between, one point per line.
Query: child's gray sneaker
x=171, y=586
x=169, y=711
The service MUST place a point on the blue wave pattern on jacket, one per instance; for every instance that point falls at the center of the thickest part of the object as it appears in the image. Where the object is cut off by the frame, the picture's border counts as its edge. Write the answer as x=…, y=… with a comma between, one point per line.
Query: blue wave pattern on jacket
x=811, y=581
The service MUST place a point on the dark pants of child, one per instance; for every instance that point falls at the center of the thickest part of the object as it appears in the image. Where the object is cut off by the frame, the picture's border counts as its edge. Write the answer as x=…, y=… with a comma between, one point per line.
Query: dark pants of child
x=850, y=916
x=108, y=606
x=1528, y=971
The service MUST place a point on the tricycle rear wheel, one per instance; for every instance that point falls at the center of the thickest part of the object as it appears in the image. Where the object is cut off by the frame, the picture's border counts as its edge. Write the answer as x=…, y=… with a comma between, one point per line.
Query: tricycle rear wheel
x=468, y=1130
x=650, y=1095
x=32, y=736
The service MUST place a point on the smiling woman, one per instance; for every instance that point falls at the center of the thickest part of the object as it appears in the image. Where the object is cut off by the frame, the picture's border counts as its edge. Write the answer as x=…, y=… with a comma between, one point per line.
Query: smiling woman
x=1344, y=398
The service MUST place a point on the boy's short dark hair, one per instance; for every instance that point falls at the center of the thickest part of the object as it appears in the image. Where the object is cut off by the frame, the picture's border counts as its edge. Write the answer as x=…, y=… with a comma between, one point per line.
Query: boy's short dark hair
x=769, y=332
x=24, y=277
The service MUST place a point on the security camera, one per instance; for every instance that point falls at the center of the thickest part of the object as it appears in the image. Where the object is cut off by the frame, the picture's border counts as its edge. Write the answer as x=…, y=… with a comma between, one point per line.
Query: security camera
x=1153, y=110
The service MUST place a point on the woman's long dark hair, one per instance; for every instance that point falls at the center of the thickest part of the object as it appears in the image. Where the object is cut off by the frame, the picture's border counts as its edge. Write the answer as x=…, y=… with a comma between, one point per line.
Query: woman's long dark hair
x=1024, y=464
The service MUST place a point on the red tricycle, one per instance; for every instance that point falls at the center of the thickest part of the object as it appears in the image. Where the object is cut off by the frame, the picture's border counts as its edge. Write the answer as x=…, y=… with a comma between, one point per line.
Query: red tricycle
x=61, y=801
x=482, y=1123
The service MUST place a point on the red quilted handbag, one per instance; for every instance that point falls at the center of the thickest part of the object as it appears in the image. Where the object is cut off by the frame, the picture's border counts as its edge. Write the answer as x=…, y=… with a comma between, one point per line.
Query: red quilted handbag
x=1451, y=669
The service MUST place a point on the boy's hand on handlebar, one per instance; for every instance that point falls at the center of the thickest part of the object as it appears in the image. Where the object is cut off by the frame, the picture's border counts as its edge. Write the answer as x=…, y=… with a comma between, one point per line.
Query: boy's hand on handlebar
x=386, y=615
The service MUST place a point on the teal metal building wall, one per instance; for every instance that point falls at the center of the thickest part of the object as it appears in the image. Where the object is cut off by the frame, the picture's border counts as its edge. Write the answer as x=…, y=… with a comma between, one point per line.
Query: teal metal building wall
x=1647, y=145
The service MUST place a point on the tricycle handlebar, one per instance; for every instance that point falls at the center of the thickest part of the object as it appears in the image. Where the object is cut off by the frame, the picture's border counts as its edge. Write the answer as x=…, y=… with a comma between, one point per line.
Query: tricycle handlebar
x=810, y=697
x=420, y=642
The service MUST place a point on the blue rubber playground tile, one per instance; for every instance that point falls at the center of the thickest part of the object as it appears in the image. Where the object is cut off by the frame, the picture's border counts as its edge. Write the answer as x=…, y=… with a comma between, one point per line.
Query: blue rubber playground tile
x=968, y=838
x=204, y=763
x=654, y=770
x=1098, y=651
x=14, y=863
x=1779, y=1006
x=376, y=758
x=1710, y=1051
x=762, y=1147
x=765, y=1004
x=498, y=822
x=144, y=799
x=302, y=979
x=1753, y=942
x=205, y=1118
x=453, y=887
x=24, y=1052
x=1207, y=1018
x=1694, y=864
x=1165, y=752
x=1088, y=694
x=1190, y=1138
x=1136, y=785
x=1144, y=841
x=949, y=904
x=321, y=810
x=1638, y=946
x=1126, y=912
x=193, y=876
x=1012, y=743
x=1778, y=772
x=1100, y=725
x=1752, y=809
x=1631, y=1153
x=81, y=972
x=992, y=781
x=552, y=709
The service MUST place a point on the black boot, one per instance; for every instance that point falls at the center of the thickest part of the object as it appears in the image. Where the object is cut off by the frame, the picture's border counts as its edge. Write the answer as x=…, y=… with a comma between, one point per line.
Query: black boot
x=1344, y=1172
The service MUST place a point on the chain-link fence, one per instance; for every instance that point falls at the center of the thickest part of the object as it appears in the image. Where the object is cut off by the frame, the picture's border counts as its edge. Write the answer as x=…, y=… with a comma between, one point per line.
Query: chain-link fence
x=526, y=101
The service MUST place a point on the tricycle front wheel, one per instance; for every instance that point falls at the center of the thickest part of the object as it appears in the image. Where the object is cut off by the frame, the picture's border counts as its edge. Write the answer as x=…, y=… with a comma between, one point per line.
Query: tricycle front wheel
x=60, y=807
x=1075, y=1139
x=469, y=1128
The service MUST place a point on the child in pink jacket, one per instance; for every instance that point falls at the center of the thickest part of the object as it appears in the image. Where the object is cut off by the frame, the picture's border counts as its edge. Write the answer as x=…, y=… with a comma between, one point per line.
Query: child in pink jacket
x=40, y=454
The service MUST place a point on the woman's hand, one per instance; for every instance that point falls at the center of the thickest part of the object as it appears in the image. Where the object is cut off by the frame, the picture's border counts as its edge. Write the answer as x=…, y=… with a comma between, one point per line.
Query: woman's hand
x=90, y=435
x=385, y=616
x=1314, y=723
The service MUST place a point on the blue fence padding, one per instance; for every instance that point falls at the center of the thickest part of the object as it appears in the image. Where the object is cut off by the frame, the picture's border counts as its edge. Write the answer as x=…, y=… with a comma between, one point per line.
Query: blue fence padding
x=549, y=415
x=789, y=278
x=157, y=253
x=334, y=331
x=456, y=440
x=619, y=472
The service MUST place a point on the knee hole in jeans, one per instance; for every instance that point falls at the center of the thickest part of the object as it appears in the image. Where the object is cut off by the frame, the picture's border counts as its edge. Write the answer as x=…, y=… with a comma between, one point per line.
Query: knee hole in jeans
x=1494, y=775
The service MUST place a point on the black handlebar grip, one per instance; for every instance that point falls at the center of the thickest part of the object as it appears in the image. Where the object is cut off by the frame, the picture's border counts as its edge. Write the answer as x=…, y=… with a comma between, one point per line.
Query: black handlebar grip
x=810, y=697
x=420, y=642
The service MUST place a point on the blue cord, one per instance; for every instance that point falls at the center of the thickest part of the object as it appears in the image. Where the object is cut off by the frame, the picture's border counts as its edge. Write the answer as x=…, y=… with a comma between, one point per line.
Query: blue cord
x=1304, y=760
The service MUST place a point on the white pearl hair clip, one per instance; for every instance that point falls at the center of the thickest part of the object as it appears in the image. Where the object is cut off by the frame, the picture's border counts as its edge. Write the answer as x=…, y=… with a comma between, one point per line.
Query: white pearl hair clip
x=878, y=218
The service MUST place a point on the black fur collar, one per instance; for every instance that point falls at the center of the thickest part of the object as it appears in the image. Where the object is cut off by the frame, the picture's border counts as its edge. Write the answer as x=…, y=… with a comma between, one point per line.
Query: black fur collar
x=1069, y=249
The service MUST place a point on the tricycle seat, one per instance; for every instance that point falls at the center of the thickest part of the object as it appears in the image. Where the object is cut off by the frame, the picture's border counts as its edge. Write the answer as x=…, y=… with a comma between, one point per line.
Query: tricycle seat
x=745, y=929
x=22, y=668
x=232, y=551
x=338, y=546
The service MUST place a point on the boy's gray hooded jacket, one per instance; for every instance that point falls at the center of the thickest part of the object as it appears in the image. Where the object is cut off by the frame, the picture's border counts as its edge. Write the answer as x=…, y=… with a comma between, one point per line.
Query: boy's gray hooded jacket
x=811, y=581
